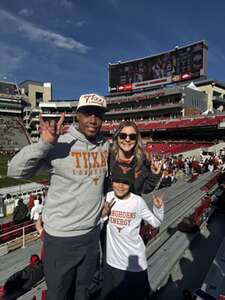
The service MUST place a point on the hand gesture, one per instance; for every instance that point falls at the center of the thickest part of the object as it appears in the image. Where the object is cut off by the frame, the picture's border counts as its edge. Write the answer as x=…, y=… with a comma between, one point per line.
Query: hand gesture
x=155, y=165
x=158, y=200
x=106, y=210
x=50, y=131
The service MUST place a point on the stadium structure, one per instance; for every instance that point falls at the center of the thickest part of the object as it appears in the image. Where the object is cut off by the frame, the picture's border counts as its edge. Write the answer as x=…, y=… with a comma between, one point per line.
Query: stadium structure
x=177, y=109
x=169, y=95
x=13, y=135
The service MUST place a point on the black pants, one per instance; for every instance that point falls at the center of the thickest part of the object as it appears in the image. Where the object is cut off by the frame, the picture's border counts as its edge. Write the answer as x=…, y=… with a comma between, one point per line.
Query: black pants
x=69, y=265
x=121, y=285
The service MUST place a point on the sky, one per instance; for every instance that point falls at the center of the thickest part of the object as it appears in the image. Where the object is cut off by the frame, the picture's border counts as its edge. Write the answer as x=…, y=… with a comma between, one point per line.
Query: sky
x=70, y=42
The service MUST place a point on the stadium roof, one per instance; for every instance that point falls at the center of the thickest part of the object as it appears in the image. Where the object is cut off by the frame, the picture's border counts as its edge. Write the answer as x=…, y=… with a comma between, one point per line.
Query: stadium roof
x=22, y=188
x=58, y=104
x=31, y=82
x=210, y=81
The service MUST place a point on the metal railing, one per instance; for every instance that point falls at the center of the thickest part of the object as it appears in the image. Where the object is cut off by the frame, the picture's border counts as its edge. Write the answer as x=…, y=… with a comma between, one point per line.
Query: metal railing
x=16, y=232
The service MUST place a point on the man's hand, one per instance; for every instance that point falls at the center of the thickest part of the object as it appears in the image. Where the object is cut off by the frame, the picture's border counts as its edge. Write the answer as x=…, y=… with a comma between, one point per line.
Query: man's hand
x=50, y=131
x=158, y=200
x=106, y=210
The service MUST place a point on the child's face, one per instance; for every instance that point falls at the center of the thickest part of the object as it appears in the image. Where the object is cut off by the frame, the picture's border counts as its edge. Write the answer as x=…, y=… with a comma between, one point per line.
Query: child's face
x=121, y=190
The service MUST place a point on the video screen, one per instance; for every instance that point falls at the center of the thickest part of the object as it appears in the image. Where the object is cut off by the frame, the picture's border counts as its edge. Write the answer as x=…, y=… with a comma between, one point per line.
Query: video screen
x=179, y=64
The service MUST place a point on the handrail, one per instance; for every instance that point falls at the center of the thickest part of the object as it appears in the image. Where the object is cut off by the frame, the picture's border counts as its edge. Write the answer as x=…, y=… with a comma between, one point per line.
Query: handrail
x=22, y=229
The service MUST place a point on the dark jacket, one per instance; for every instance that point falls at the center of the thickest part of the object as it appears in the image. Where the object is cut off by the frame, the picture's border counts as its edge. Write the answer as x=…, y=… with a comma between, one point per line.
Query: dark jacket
x=24, y=279
x=20, y=212
x=145, y=179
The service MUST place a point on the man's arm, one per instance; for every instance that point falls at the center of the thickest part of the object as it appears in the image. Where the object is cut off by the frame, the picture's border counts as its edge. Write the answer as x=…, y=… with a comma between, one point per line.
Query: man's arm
x=29, y=160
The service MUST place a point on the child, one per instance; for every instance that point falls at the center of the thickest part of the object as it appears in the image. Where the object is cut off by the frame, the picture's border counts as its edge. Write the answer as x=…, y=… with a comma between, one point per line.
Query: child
x=125, y=270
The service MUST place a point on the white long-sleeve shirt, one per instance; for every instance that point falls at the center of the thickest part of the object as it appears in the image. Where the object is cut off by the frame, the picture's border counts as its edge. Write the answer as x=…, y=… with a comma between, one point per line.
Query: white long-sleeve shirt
x=125, y=249
x=36, y=210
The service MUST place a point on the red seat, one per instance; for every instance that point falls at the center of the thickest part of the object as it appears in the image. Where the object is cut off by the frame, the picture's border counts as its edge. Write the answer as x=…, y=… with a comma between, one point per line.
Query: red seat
x=198, y=214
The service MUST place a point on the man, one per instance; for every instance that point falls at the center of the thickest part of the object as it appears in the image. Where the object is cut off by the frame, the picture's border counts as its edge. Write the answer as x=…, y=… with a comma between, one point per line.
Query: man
x=77, y=164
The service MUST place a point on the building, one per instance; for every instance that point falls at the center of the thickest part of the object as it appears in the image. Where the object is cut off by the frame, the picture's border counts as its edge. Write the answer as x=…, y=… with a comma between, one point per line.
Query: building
x=163, y=103
x=49, y=110
x=215, y=91
x=12, y=102
x=36, y=91
x=12, y=106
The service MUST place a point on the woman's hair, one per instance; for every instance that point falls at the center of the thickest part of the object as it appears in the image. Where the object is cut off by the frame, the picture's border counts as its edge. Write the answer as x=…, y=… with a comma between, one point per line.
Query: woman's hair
x=138, y=149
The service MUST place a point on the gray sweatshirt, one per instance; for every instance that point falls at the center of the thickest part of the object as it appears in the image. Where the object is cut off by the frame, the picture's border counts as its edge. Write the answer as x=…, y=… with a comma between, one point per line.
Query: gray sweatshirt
x=77, y=170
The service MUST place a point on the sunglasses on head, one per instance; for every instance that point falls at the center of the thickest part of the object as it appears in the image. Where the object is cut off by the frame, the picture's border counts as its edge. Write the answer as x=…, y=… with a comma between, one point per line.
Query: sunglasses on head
x=124, y=136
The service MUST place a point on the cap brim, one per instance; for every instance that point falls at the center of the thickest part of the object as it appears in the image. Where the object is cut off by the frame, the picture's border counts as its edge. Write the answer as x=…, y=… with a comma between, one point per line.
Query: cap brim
x=94, y=107
x=121, y=180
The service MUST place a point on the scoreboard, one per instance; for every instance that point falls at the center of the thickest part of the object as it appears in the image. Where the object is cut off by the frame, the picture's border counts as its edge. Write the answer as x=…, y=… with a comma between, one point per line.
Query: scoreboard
x=181, y=63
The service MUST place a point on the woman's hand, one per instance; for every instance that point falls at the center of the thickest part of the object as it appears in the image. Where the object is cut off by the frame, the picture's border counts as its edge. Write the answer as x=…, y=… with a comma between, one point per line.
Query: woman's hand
x=106, y=210
x=158, y=201
x=50, y=131
x=155, y=165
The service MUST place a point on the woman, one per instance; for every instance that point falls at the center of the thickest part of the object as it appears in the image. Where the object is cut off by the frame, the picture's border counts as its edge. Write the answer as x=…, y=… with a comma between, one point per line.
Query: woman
x=128, y=151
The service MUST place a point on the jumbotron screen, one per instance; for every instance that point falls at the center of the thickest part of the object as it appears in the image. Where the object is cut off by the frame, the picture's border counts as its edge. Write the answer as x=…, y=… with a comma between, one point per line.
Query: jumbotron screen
x=181, y=63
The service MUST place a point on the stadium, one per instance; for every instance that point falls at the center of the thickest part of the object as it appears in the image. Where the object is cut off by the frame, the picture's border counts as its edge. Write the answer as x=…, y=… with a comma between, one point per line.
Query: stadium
x=180, y=113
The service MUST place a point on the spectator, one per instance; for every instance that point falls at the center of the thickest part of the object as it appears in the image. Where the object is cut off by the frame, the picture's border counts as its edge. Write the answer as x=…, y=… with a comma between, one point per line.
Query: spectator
x=20, y=213
x=210, y=166
x=22, y=281
x=127, y=151
x=125, y=270
x=166, y=180
x=31, y=200
x=77, y=162
x=36, y=210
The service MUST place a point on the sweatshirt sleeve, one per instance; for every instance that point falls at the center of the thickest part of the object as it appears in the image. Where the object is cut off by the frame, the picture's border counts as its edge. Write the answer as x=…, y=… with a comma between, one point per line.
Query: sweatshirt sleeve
x=30, y=160
x=154, y=218
x=147, y=180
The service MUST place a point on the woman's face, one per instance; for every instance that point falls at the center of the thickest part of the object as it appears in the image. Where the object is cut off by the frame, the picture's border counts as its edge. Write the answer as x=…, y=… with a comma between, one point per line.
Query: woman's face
x=127, y=139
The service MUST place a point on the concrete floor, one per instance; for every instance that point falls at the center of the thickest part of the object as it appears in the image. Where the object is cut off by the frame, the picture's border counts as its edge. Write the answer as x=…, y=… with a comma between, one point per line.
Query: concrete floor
x=193, y=272
x=203, y=251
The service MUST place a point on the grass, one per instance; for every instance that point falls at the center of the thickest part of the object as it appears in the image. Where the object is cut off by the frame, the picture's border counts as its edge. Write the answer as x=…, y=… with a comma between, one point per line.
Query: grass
x=7, y=181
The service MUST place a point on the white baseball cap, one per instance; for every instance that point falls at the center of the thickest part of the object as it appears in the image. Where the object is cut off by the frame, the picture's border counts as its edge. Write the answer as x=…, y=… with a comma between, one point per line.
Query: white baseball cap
x=93, y=100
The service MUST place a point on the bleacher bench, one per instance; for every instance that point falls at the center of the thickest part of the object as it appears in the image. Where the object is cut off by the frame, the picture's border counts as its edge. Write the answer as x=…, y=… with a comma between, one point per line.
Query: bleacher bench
x=165, y=250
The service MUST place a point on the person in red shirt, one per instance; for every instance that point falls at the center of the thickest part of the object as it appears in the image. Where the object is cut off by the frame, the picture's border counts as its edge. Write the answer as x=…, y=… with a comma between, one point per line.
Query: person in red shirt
x=31, y=200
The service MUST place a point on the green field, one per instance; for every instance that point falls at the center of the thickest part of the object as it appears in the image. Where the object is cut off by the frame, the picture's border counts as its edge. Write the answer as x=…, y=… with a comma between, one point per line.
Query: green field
x=7, y=181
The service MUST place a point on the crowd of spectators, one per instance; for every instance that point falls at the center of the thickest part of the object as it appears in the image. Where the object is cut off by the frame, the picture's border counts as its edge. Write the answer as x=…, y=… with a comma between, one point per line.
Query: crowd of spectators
x=178, y=168
x=32, y=210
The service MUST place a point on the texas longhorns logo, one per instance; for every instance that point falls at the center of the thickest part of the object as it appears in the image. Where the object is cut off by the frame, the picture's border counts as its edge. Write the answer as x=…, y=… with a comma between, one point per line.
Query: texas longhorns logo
x=124, y=169
x=119, y=228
